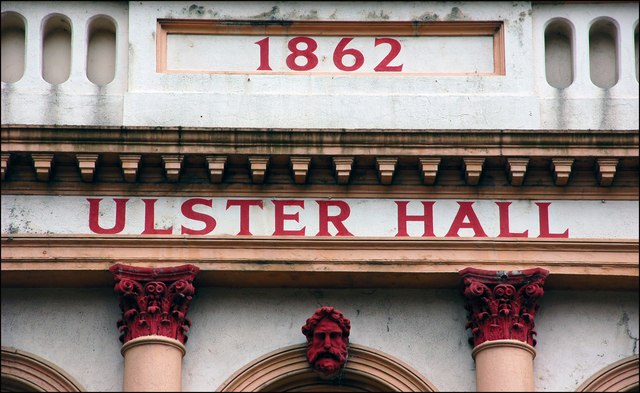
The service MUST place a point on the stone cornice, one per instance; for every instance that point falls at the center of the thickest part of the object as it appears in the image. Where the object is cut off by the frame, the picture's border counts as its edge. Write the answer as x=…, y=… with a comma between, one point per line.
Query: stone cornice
x=177, y=140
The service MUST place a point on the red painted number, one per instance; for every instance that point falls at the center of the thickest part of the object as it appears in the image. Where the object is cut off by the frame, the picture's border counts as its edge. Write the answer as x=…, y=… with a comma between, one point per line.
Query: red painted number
x=307, y=53
x=341, y=52
x=393, y=52
x=309, y=45
x=264, y=54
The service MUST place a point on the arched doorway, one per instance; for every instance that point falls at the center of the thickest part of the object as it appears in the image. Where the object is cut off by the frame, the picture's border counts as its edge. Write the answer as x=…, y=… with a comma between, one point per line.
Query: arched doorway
x=25, y=372
x=286, y=369
x=621, y=376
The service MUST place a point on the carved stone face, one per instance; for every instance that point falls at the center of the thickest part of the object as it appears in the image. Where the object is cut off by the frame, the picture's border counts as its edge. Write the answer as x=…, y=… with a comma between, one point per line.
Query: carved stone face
x=327, y=351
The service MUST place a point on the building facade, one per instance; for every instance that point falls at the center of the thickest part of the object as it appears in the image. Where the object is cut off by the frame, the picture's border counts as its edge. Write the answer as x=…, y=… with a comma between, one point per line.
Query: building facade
x=185, y=184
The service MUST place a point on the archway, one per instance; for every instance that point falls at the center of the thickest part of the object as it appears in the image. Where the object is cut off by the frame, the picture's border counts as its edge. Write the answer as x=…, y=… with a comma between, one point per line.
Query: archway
x=621, y=376
x=25, y=372
x=367, y=370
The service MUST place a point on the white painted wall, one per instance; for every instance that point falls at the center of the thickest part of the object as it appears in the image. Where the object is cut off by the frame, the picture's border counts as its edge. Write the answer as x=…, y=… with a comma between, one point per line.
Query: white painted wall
x=32, y=100
x=521, y=99
x=578, y=332
x=583, y=104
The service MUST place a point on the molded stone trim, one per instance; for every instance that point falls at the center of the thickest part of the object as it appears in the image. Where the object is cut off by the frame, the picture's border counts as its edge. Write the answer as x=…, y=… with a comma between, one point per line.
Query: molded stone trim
x=24, y=371
x=621, y=376
x=287, y=369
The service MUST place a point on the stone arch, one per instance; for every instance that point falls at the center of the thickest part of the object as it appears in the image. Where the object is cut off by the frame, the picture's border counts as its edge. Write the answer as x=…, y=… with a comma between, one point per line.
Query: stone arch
x=25, y=372
x=367, y=370
x=621, y=376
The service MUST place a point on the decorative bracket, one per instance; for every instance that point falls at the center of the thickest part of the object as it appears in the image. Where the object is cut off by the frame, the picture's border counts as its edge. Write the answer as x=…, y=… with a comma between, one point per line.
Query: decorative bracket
x=4, y=164
x=501, y=305
x=172, y=165
x=516, y=167
x=154, y=301
x=386, y=167
x=429, y=168
x=87, y=165
x=258, y=166
x=473, y=169
x=342, y=167
x=216, y=167
x=606, y=168
x=561, y=168
x=42, y=163
x=130, y=164
x=300, y=168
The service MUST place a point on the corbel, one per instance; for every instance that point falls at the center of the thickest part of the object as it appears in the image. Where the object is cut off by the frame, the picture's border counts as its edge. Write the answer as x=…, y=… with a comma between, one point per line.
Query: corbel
x=300, y=168
x=386, y=167
x=87, y=165
x=516, y=169
x=172, y=165
x=606, y=170
x=473, y=169
x=342, y=167
x=216, y=167
x=561, y=168
x=42, y=163
x=4, y=164
x=130, y=164
x=429, y=169
x=258, y=166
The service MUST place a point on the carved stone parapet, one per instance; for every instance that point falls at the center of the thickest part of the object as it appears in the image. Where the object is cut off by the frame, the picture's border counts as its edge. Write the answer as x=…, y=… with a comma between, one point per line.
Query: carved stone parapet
x=130, y=164
x=606, y=168
x=154, y=301
x=172, y=166
x=561, y=168
x=386, y=167
x=300, y=168
x=429, y=169
x=501, y=305
x=87, y=166
x=4, y=164
x=258, y=166
x=42, y=163
x=473, y=169
x=216, y=167
x=516, y=169
x=342, y=167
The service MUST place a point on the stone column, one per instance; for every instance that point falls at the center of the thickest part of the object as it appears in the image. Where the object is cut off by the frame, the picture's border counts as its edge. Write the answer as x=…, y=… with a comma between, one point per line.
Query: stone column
x=501, y=306
x=154, y=304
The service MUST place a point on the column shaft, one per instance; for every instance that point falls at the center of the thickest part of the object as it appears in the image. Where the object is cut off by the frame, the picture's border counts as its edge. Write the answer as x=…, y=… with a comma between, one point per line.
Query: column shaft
x=152, y=363
x=504, y=366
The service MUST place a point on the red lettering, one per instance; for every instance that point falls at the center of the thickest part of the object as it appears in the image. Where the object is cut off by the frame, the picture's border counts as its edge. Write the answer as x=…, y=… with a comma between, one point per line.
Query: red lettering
x=149, y=219
x=244, y=212
x=543, y=212
x=324, y=218
x=426, y=218
x=188, y=212
x=394, y=50
x=466, y=211
x=503, y=209
x=281, y=217
x=307, y=53
x=94, y=216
